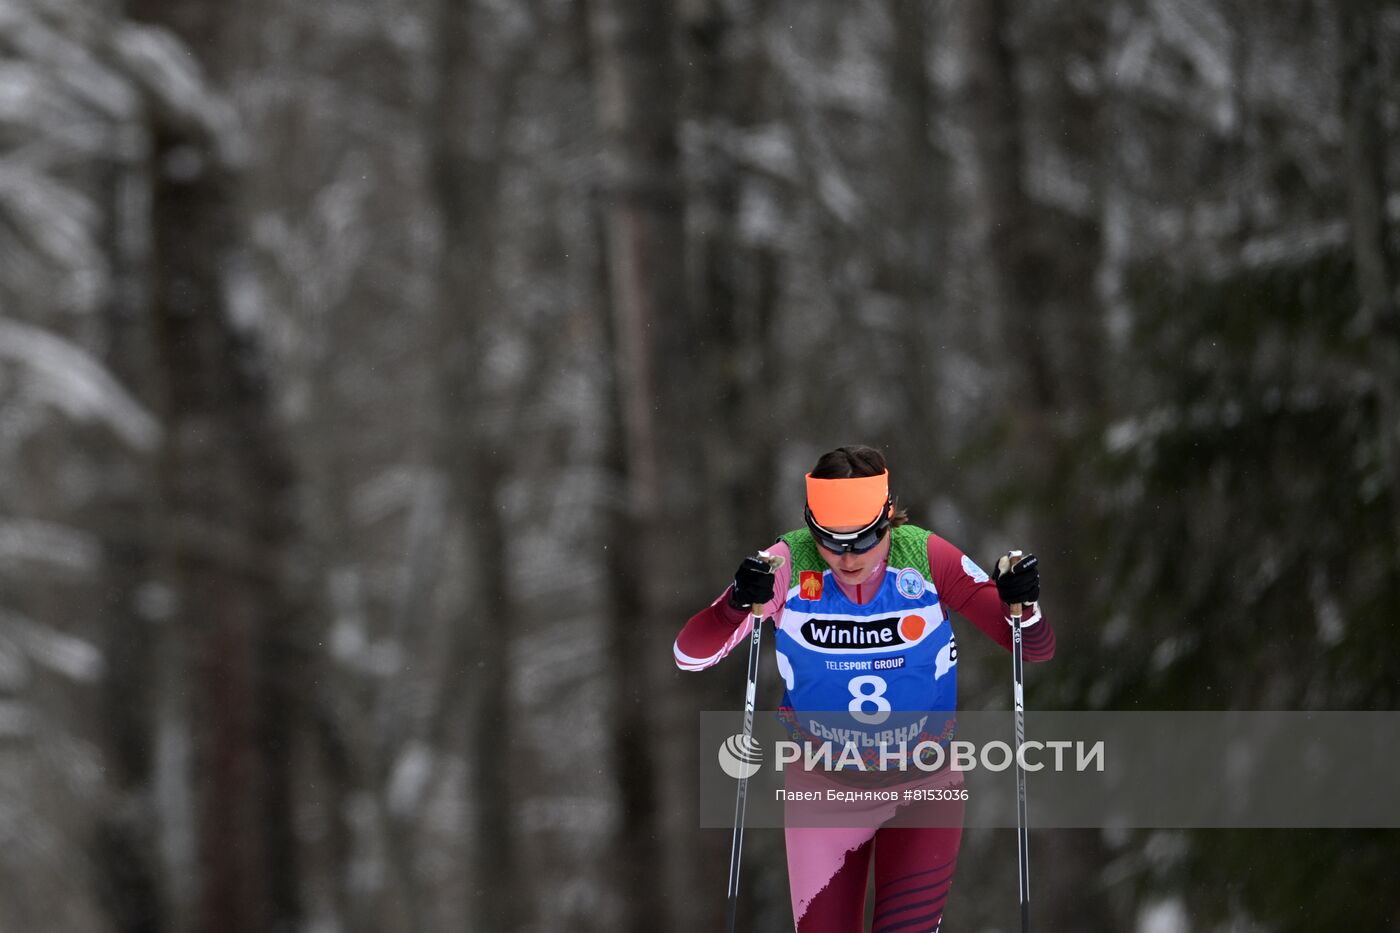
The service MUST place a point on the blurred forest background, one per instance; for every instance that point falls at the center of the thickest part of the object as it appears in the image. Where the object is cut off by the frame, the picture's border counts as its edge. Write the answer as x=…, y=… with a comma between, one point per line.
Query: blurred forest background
x=382, y=385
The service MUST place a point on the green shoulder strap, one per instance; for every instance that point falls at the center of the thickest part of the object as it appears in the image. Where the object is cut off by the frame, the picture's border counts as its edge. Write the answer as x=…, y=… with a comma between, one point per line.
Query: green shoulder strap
x=909, y=548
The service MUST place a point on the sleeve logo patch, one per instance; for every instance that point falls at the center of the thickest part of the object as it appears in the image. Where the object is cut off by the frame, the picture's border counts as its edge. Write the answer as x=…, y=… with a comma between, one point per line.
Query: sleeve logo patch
x=970, y=568
x=910, y=583
x=809, y=584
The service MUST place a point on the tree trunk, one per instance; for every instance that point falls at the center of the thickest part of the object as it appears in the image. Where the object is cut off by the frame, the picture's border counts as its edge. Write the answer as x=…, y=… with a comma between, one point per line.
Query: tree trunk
x=1012, y=273
x=921, y=174
x=1362, y=90
x=126, y=517
x=226, y=485
x=644, y=250
x=467, y=125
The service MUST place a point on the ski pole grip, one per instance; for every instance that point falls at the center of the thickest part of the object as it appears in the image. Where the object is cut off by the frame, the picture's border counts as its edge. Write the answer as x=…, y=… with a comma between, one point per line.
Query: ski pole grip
x=1005, y=563
x=774, y=561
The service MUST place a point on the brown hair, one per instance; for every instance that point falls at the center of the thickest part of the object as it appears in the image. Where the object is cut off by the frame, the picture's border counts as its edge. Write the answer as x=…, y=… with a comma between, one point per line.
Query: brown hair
x=857, y=460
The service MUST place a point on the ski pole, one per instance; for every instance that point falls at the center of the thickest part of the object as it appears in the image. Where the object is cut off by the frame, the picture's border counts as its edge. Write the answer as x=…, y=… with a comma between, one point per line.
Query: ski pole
x=1023, y=854
x=741, y=800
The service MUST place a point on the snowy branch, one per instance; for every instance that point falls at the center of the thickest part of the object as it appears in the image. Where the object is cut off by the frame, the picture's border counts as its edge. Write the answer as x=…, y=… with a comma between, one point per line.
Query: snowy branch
x=64, y=375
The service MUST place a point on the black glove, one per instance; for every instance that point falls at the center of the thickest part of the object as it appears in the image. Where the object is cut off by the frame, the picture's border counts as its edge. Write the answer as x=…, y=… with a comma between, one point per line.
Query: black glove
x=1021, y=584
x=753, y=583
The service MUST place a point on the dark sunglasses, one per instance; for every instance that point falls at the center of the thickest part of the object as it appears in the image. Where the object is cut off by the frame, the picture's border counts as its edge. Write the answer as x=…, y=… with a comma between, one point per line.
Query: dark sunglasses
x=851, y=542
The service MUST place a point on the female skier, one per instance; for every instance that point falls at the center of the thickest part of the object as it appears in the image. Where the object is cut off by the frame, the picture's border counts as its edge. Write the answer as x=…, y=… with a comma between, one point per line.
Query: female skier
x=862, y=623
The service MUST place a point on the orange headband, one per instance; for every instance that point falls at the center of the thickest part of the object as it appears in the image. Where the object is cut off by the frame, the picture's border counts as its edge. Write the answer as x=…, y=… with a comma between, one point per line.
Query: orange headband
x=852, y=500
